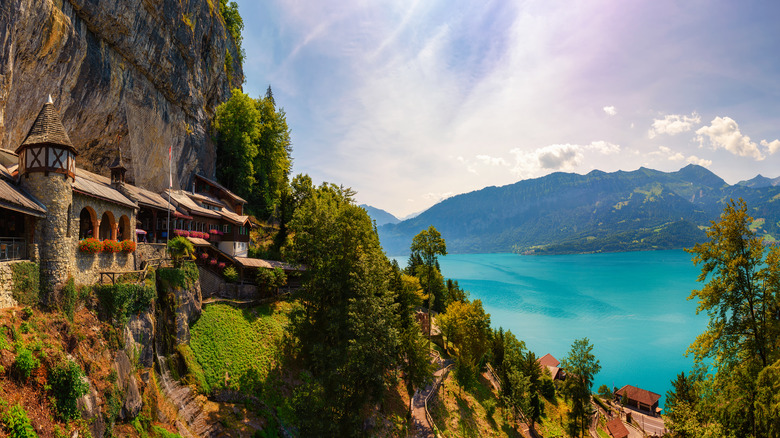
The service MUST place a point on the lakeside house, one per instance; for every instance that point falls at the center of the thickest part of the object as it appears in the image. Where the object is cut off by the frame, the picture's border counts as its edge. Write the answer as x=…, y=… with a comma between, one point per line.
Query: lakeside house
x=640, y=399
x=550, y=364
x=48, y=205
x=617, y=429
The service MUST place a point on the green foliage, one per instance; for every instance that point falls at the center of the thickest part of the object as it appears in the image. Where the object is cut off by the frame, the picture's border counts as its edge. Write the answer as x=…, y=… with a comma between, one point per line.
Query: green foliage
x=581, y=366
x=426, y=246
x=253, y=150
x=26, y=280
x=347, y=330
x=185, y=276
x=606, y=393
x=17, y=423
x=25, y=363
x=270, y=280
x=467, y=327
x=233, y=23
x=118, y=301
x=237, y=348
x=230, y=274
x=741, y=296
x=180, y=249
x=67, y=386
x=164, y=433
x=195, y=374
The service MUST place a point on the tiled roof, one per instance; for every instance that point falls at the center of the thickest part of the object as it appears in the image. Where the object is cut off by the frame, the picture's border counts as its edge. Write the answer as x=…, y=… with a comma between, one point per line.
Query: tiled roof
x=616, y=428
x=260, y=263
x=47, y=128
x=638, y=394
x=148, y=197
x=188, y=204
x=197, y=241
x=222, y=188
x=202, y=197
x=548, y=360
x=14, y=198
x=91, y=184
x=233, y=217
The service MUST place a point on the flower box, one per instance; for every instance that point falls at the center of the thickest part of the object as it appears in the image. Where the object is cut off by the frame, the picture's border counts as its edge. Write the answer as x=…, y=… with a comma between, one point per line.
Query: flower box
x=221, y=265
x=111, y=246
x=90, y=245
x=181, y=233
x=128, y=245
x=213, y=262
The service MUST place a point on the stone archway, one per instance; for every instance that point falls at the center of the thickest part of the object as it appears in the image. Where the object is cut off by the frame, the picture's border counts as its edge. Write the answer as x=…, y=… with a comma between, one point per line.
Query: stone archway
x=124, y=232
x=107, y=226
x=87, y=223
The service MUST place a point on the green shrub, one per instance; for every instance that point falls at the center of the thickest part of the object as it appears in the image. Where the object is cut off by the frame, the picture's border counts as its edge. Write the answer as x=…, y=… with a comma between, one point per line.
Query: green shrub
x=230, y=274
x=27, y=312
x=162, y=433
x=185, y=276
x=18, y=423
x=118, y=301
x=26, y=283
x=271, y=279
x=180, y=249
x=67, y=386
x=25, y=363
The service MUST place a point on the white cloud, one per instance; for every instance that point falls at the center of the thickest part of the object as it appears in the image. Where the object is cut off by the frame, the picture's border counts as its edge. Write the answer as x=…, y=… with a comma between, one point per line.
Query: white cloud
x=724, y=133
x=604, y=147
x=771, y=146
x=673, y=124
x=669, y=154
x=610, y=110
x=693, y=159
x=492, y=161
x=563, y=157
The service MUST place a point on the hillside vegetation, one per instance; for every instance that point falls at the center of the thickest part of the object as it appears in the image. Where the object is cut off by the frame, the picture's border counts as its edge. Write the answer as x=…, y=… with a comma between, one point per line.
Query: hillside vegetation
x=599, y=212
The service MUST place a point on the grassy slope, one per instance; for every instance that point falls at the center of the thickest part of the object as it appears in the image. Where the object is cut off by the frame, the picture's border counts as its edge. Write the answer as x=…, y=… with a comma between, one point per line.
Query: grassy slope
x=238, y=348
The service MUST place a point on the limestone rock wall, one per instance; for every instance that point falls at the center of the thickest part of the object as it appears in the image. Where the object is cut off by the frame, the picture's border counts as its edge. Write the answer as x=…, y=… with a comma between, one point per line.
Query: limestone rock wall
x=142, y=75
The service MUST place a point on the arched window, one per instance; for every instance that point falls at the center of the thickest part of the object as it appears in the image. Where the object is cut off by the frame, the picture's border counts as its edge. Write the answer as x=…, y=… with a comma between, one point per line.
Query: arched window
x=124, y=231
x=107, y=226
x=87, y=223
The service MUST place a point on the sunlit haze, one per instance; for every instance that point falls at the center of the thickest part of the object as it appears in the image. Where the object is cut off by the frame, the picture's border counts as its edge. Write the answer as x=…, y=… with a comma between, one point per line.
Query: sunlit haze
x=409, y=102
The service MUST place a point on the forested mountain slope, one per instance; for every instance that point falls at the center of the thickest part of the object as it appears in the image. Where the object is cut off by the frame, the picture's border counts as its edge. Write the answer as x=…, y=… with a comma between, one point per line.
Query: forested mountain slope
x=570, y=213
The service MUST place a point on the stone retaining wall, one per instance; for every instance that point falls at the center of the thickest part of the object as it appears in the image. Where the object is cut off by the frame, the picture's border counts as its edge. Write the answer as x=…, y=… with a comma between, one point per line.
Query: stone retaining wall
x=89, y=266
x=150, y=251
x=6, y=296
x=214, y=286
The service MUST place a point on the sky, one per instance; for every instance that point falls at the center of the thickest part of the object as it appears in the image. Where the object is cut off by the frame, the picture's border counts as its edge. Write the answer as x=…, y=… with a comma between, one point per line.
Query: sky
x=411, y=102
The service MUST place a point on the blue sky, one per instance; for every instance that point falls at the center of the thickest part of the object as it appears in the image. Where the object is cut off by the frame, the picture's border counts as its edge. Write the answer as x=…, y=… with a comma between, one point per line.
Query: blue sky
x=409, y=102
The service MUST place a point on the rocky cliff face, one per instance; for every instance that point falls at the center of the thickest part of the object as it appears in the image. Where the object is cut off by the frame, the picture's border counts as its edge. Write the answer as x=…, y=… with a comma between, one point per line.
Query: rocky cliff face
x=139, y=75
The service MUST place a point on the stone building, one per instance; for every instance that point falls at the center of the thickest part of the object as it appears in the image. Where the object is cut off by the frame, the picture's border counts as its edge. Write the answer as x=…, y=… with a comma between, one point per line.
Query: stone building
x=48, y=206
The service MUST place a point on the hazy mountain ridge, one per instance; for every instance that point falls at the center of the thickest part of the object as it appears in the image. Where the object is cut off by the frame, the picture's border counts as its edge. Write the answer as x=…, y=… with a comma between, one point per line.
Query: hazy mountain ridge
x=568, y=213
x=381, y=217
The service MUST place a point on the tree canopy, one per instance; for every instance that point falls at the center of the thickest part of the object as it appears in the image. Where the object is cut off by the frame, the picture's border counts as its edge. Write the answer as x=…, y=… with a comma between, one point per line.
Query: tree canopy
x=733, y=389
x=253, y=150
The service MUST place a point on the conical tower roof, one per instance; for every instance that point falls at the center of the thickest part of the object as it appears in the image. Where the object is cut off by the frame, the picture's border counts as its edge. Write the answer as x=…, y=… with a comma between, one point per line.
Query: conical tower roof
x=118, y=162
x=47, y=128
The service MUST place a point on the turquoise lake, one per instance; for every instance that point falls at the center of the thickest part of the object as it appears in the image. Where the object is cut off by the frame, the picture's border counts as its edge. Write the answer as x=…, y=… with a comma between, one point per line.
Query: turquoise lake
x=632, y=306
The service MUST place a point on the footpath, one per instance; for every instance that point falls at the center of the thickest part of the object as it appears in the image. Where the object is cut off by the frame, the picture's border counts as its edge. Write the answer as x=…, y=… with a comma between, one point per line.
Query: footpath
x=422, y=426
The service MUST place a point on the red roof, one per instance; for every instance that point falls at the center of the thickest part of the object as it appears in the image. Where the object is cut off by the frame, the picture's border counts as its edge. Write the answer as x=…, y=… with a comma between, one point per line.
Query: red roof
x=549, y=361
x=638, y=394
x=616, y=428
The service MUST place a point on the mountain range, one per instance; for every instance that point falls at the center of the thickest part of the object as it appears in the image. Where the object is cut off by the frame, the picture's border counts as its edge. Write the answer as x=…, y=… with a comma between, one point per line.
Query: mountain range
x=561, y=213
